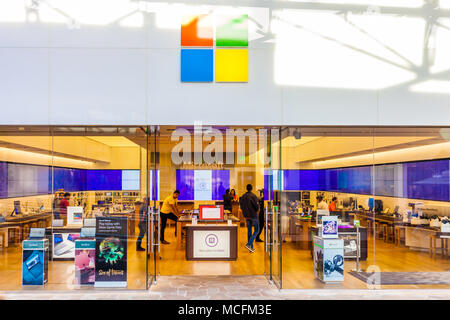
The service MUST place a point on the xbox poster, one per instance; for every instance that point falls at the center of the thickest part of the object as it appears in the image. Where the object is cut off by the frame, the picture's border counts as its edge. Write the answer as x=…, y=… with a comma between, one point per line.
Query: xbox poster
x=111, y=252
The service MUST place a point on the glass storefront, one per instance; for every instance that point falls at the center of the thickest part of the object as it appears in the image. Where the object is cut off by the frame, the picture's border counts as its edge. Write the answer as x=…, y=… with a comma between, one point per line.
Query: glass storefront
x=62, y=180
x=387, y=189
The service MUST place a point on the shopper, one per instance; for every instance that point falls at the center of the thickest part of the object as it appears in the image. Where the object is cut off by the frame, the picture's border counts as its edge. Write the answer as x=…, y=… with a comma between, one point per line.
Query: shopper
x=142, y=225
x=260, y=215
x=234, y=195
x=321, y=204
x=227, y=198
x=169, y=210
x=56, y=201
x=249, y=205
x=63, y=204
x=333, y=205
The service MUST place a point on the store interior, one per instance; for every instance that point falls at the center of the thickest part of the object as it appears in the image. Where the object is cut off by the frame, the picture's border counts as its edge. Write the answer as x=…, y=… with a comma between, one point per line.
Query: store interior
x=393, y=182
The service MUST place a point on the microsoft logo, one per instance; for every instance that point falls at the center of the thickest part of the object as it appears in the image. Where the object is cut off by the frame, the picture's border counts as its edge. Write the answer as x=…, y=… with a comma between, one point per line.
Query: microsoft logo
x=228, y=56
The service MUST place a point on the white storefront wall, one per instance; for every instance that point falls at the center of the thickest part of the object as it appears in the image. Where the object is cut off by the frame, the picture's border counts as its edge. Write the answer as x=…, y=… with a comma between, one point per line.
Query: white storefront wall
x=315, y=67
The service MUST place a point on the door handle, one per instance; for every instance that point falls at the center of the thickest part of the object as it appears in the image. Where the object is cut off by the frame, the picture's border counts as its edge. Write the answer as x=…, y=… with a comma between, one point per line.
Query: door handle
x=159, y=230
x=266, y=240
x=150, y=233
x=274, y=226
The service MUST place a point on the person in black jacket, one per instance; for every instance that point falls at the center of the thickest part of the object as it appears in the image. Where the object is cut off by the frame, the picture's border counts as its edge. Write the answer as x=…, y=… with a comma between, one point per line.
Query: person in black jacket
x=249, y=206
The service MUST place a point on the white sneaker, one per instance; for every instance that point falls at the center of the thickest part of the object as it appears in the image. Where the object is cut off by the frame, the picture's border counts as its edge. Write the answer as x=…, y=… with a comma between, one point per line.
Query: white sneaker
x=249, y=248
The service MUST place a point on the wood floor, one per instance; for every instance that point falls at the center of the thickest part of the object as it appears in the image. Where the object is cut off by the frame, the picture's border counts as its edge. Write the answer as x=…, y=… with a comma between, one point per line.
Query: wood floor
x=297, y=266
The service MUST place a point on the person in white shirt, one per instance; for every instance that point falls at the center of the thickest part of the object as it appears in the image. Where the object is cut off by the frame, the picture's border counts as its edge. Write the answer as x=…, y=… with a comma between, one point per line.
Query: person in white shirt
x=321, y=204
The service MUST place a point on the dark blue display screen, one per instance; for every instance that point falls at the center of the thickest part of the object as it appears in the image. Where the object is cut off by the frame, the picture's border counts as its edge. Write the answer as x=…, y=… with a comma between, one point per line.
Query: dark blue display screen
x=20, y=180
x=97, y=180
x=3, y=179
x=185, y=184
x=220, y=181
x=69, y=179
x=427, y=180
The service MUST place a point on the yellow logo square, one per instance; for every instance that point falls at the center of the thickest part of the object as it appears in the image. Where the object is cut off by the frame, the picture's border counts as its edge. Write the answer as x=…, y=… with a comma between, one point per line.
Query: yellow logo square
x=231, y=65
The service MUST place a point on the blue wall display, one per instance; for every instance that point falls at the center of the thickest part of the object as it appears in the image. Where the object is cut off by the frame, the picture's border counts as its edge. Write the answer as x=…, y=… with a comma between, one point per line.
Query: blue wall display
x=97, y=180
x=220, y=181
x=426, y=180
x=21, y=180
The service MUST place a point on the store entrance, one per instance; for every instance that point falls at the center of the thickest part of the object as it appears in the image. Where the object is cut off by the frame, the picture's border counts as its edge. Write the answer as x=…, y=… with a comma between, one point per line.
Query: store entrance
x=198, y=179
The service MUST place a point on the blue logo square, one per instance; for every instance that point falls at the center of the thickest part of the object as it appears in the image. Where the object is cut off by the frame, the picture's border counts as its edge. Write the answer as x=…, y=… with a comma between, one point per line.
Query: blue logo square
x=197, y=65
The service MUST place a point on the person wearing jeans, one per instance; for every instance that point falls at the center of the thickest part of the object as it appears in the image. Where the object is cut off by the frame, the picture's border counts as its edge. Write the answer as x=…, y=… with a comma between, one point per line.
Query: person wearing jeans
x=142, y=225
x=249, y=206
x=252, y=236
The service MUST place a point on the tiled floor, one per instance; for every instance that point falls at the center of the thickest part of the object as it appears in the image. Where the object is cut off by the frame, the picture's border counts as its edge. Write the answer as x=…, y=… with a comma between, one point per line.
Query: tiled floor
x=227, y=288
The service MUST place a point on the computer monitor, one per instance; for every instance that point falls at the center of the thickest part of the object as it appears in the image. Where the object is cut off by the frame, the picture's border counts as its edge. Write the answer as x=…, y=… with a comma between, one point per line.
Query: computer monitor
x=346, y=203
x=378, y=206
x=371, y=203
x=37, y=233
x=352, y=202
x=320, y=214
x=89, y=222
x=210, y=213
x=57, y=223
x=87, y=233
x=17, y=208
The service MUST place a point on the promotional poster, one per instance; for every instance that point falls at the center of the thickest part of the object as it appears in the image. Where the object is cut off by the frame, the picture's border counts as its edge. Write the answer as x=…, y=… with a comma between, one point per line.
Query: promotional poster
x=329, y=227
x=85, y=262
x=111, y=252
x=34, y=262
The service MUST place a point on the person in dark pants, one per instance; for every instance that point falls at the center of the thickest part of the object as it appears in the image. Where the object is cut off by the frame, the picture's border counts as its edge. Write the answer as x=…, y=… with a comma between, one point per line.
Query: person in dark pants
x=169, y=210
x=142, y=225
x=249, y=206
x=261, y=215
x=227, y=198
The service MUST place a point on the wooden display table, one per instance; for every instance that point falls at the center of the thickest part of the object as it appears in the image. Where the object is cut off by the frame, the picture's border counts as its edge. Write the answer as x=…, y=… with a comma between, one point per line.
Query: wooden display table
x=25, y=222
x=184, y=220
x=301, y=226
x=444, y=243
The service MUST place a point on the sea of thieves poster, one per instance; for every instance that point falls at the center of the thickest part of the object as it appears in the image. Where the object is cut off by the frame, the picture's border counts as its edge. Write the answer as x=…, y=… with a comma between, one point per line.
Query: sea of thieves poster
x=111, y=252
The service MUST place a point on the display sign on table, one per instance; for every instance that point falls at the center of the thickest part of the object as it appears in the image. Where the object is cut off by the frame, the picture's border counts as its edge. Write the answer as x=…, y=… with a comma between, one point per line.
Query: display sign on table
x=211, y=244
x=329, y=227
x=111, y=252
x=75, y=216
x=211, y=213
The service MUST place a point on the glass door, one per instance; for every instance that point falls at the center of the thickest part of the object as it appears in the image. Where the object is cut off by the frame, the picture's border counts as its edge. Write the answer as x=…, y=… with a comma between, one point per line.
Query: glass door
x=153, y=217
x=273, y=240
